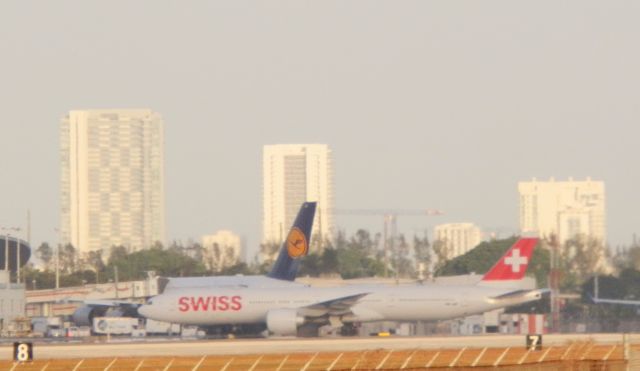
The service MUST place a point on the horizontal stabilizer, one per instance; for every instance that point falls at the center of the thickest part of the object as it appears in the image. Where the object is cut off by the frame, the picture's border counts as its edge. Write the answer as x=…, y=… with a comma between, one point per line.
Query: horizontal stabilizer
x=519, y=295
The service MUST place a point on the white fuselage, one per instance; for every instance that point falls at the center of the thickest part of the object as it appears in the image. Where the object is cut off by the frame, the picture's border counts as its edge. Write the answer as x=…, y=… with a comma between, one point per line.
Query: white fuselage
x=249, y=304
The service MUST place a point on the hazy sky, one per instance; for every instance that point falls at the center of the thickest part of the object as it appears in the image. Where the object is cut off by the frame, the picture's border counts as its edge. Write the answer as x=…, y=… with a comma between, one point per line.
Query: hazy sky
x=426, y=104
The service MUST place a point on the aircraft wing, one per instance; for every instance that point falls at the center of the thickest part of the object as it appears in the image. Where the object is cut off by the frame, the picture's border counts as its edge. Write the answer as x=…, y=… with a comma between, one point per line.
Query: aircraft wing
x=615, y=301
x=104, y=303
x=110, y=303
x=333, y=307
x=90, y=308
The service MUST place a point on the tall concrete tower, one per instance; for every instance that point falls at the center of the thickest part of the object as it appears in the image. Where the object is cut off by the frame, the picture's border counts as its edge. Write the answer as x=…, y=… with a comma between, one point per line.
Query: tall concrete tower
x=293, y=174
x=458, y=238
x=112, y=179
x=563, y=208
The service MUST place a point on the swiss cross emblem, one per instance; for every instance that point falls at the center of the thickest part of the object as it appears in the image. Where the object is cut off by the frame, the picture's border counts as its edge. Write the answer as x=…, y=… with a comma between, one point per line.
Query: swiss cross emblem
x=515, y=260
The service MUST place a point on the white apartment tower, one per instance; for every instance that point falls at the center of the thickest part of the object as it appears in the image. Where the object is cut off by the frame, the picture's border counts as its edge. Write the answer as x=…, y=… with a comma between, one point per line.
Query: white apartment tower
x=112, y=179
x=293, y=174
x=563, y=208
x=458, y=237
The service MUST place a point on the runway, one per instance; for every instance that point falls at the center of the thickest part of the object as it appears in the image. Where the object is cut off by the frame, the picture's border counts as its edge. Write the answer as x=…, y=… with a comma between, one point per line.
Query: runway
x=121, y=348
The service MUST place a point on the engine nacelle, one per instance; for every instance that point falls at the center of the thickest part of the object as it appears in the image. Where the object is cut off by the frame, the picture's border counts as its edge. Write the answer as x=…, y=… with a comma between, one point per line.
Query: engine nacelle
x=83, y=316
x=283, y=322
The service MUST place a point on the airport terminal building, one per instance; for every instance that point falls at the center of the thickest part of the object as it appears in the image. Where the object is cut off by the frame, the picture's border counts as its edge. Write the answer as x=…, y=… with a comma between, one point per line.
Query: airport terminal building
x=14, y=254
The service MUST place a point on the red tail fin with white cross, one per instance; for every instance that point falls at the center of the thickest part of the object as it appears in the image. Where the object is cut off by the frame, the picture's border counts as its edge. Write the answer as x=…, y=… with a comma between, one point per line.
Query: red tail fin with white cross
x=513, y=264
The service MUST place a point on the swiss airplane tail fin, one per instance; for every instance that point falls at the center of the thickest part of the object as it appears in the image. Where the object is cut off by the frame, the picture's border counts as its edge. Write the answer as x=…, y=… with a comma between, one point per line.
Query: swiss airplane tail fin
x=296, y=245
x=513, y=264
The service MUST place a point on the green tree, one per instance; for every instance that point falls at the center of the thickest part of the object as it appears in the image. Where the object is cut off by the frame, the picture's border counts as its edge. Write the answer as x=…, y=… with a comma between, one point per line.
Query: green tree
x=311, y=265
x=581, y=257
x=442, y=254
x=329, y=261
x=40, y=279
x=269, y=252
x=44, y=253
x=68, y=258
x=95, y=262
x=238, y=268
x=169, y=262
x=353, y=263
x=364, y=242
x=422, y=253
x=400, y=259
x=117, y=253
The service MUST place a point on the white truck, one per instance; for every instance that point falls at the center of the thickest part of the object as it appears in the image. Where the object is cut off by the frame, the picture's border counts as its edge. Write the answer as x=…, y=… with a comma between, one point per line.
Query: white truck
x=161, y=328
x=48, y=326
x=116, y=326
x=78, y=332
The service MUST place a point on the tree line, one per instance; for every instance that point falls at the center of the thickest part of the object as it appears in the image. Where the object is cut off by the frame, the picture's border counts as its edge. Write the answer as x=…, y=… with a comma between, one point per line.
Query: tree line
x=362, y=254
x=359, y=255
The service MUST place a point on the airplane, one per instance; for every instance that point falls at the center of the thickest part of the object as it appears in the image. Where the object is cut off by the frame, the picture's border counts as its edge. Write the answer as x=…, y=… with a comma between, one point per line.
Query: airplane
x=286, y=307
x=598, y=300
x=281, y=275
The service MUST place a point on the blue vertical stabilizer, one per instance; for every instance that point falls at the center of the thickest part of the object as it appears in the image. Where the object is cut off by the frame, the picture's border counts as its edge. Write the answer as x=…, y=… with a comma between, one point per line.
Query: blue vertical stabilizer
x=296, y=245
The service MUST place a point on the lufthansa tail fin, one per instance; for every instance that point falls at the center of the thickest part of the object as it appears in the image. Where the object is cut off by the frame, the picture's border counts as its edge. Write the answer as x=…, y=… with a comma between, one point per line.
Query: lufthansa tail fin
x=296, y=245
x=513, y=264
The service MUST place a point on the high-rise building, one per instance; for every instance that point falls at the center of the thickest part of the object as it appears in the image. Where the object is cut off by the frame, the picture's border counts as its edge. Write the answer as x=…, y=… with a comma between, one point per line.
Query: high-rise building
x=221, y=249
x=112, y=179
x=458, y=237
x=293, y=174
x=563, y=208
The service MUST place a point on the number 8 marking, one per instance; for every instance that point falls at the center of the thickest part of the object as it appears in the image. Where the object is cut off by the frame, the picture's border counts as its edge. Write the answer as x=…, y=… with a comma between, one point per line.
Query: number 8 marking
x=23, y=352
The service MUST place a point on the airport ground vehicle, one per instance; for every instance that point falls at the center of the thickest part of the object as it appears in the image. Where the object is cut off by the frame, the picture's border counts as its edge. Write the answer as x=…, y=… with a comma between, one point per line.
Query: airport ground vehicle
x=47, y=326
x=116, y=326
x=77, y=332
x=153, y=327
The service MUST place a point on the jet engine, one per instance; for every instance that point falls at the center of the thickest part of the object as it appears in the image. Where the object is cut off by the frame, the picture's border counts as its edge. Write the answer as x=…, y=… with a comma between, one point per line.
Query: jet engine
x=83, y=316
x=283, y=321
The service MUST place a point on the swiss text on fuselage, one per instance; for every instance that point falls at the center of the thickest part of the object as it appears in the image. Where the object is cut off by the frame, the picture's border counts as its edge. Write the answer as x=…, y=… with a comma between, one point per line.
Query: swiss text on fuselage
x=209, y=303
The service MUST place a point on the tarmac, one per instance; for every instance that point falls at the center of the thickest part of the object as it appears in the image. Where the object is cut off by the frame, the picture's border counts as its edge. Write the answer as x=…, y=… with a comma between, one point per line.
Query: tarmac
x=162, y=348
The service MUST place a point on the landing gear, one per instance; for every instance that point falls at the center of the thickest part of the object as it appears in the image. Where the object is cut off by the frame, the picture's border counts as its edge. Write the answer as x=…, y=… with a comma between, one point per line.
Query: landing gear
x=349, y=329
x=234, y=331
x=218, y=332
x=308, y=331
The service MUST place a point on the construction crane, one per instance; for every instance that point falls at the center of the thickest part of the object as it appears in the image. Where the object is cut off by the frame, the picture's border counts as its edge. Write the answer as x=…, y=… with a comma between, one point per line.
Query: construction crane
x=390, y=223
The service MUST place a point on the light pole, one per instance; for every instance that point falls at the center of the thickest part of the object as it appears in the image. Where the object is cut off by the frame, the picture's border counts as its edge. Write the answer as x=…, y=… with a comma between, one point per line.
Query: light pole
x=18, y=257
